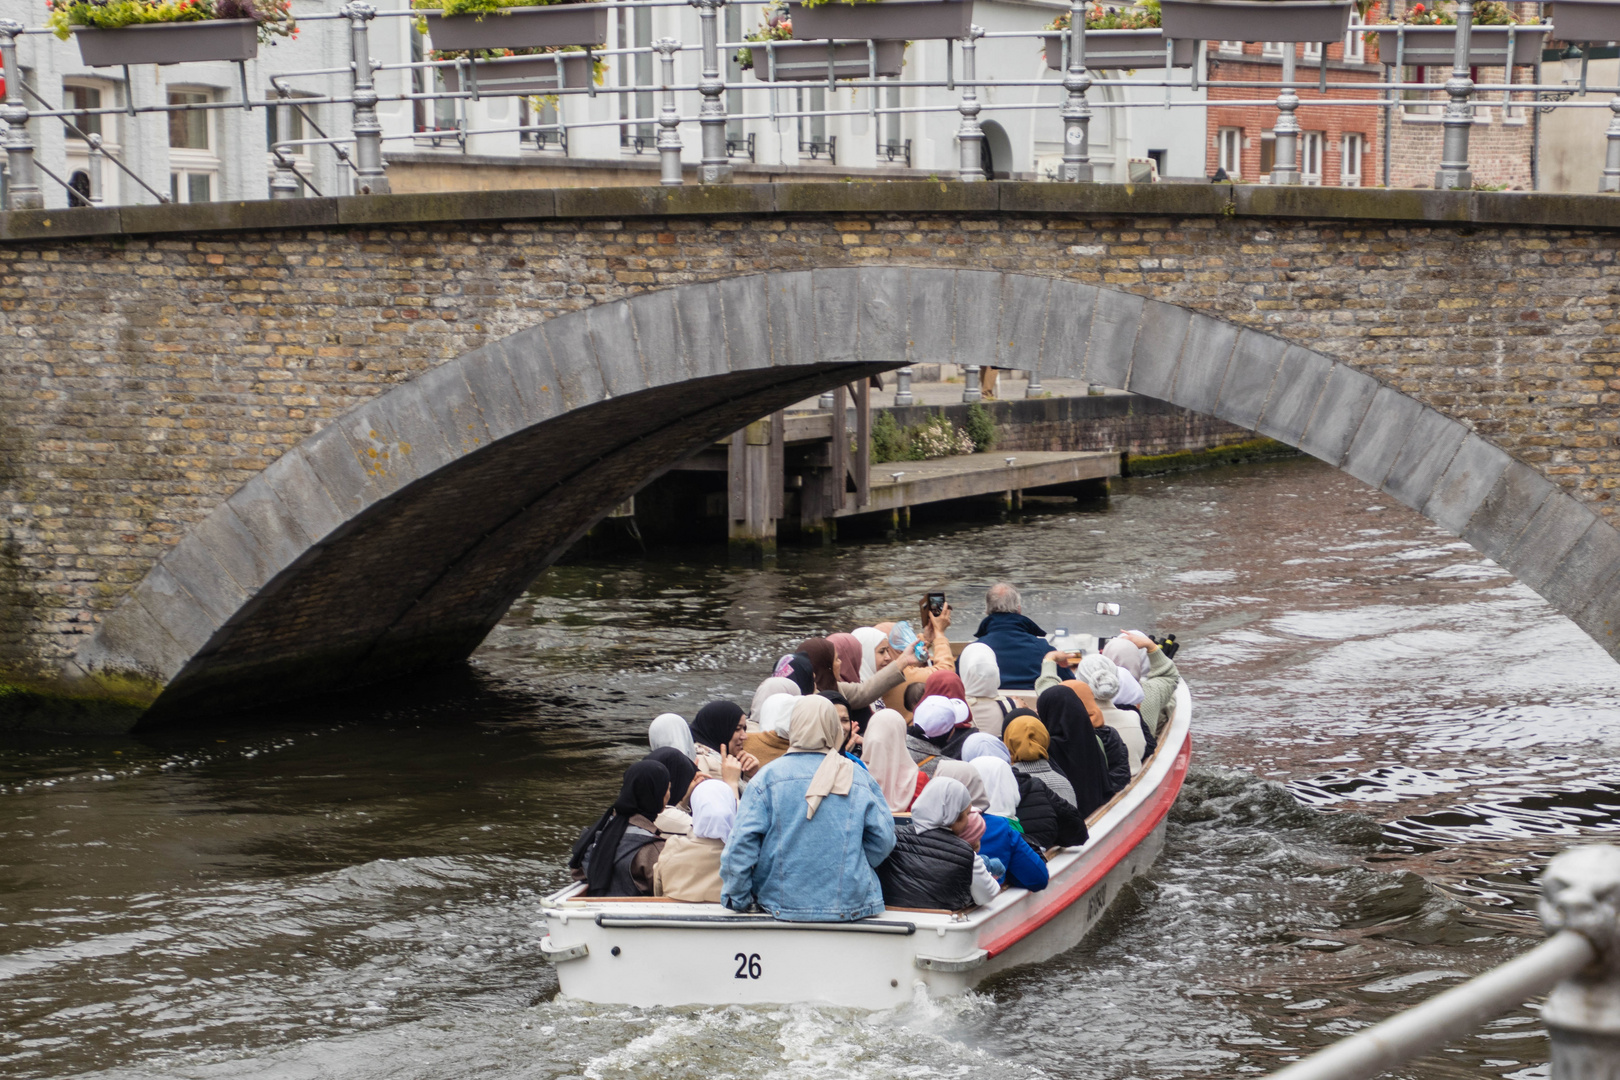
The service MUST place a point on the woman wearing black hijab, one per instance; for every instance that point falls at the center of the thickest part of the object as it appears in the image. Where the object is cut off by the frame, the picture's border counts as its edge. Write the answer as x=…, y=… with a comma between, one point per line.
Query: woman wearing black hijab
x=1075, y=751
x=626, y=831
x=682, y=772
x=718, y=730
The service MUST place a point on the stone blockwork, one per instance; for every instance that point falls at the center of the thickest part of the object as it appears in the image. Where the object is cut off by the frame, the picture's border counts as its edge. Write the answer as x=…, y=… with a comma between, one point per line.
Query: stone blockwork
x=154, y=361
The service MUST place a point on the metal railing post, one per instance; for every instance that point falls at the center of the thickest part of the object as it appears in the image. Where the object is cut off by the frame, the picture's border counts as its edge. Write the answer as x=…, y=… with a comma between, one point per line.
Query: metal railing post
x=970, y=385
x=970, y=136
x=669, y=123
x=24, y=185
x=1459, y=117
x=95, y=156
x=1580, y=892
x=284, y=184
x=1285, y=169
x=902, y=387
x=1076, y=110
x=370, y=175
x=1034, y=389
x=715, y=168
x=1610, y=180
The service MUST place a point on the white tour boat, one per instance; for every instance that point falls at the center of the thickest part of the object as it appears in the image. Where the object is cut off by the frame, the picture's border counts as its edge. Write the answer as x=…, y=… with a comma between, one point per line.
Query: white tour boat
x=647, y=951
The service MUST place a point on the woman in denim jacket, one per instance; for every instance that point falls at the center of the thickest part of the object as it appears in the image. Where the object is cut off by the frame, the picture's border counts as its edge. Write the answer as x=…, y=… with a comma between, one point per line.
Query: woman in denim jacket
x=810, y=831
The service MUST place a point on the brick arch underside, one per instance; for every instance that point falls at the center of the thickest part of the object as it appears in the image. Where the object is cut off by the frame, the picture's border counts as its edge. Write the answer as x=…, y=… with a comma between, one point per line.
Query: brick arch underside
x=396, y=537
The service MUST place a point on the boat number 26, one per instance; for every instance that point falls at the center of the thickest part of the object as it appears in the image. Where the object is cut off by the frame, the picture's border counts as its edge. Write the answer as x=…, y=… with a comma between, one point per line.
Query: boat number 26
x=747, y=966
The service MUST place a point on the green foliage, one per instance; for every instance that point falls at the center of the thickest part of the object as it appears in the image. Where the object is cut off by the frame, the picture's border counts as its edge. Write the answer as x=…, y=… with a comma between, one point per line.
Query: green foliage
x=981, y=428
x=1486, y=13
x=273, y=16
x=480, y=8
x=889, y=442
x=1142, y=16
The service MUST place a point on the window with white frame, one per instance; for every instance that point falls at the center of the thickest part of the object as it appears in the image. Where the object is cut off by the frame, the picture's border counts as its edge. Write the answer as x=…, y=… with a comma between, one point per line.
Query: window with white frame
x=1355, y=41
x=1312, y=50
x=1229, y=151
x=193, y=161
x=1271, y=48
x=1232, y=47
x=1310, y=157
x=284, y=124
x=1351, y=147
x=1417, y=102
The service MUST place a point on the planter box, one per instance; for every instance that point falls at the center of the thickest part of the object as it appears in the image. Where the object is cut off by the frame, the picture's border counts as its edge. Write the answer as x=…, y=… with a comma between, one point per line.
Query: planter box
x=1256, y=20
x=902, y=20
x=1435, y=46
x=1587, y=20
x=1123, y=49
x=806, y=61
x=169, y=43
x=522, y=75
x=521, y=28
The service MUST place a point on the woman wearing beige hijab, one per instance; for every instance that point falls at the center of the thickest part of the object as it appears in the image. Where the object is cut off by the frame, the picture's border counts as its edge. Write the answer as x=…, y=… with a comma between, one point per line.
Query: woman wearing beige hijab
x=810, y=831
x=970, y=778
x=886, y=758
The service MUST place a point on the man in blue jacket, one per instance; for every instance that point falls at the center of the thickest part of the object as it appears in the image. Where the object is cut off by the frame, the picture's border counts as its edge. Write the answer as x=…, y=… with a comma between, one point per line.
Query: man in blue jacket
x=1018, y=643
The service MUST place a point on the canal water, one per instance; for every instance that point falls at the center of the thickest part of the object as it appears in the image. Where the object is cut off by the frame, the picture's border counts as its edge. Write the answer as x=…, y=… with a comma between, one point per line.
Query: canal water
x=1391, y=736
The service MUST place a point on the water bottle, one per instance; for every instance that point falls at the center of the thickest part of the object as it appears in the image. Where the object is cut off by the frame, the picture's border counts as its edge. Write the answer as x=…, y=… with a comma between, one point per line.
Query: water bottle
x=903, y=637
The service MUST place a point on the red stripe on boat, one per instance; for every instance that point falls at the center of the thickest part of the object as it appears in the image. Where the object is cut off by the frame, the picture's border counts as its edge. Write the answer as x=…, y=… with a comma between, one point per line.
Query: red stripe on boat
x=1118, y=845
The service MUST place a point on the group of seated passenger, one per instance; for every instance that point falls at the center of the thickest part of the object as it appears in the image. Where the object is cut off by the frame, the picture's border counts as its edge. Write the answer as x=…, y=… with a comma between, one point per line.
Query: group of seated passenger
x=865, y=777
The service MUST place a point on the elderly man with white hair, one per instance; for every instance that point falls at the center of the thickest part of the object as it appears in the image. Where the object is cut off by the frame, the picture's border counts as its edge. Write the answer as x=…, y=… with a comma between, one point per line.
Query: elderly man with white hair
x=1019, y=644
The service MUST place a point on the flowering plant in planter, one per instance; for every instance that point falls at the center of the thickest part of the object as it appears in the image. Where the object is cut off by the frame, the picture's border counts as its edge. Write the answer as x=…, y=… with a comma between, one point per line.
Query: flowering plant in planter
x=1486, y=13
x=1141, y=17
x=274, y=17
x=598, y=65
x=778, y=27
x=480, y=8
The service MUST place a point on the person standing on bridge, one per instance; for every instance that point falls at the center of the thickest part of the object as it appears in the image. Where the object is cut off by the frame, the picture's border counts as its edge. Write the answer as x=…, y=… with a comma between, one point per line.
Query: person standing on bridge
x=1018, y=643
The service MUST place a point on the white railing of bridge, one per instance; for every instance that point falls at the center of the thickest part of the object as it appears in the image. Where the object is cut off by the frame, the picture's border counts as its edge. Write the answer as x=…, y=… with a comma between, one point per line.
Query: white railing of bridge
x=1578, y=967
x=361, y=150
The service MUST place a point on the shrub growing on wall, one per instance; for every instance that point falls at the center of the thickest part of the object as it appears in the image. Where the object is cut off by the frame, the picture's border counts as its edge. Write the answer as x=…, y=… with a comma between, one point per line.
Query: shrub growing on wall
x=981, y=427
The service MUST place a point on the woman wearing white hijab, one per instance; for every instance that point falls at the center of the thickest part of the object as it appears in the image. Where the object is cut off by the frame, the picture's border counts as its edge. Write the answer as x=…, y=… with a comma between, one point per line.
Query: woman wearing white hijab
x=979, y=744
x=1104, y=677
x=811, y=830
x=689, y=868
x=1000, y=785
x=870, y=638
x=981, y=679
x=932, y=866
x=767, y=689
x=670, y=730
x=775, y=718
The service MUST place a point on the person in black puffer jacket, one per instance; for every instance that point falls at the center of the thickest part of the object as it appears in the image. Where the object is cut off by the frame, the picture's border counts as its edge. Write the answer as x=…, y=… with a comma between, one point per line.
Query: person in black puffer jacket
x=1048, y=820
x=931, y=866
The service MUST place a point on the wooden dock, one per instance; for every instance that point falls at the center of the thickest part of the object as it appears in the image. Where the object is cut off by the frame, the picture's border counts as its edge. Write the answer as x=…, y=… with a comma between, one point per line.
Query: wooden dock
x=900, y=485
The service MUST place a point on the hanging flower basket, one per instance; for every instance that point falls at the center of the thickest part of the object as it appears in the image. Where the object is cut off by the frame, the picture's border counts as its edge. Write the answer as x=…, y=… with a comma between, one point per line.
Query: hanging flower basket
x=521, y=28
x=1124, y=49
x=169, y=43
x=806, y=61
x=1434, y=46
x=901, y=20
x=521, y=75
x=1257, y=20
x=1587, y=20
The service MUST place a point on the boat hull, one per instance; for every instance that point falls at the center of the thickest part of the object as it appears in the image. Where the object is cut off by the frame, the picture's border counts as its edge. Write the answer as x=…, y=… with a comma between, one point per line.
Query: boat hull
x=659, y=953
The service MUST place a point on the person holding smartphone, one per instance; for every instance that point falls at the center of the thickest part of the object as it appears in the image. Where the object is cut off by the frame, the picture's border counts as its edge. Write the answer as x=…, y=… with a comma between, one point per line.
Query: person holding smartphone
x=941, y=657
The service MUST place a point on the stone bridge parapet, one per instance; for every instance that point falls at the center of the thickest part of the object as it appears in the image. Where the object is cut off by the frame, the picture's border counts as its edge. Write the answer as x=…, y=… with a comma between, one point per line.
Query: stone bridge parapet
x=302, y=444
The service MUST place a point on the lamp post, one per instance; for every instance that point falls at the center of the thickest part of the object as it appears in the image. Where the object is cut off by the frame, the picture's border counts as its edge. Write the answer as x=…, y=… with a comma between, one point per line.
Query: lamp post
x=1285, y=169
x=669, y=123
x=970, y=136
x=24, y=185
x=715, y=168
x=1076, y=112
x=370, y=175
x=1459, y=116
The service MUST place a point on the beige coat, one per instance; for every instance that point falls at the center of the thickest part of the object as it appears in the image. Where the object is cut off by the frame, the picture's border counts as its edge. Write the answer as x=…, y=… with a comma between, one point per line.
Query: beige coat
x=689, y=869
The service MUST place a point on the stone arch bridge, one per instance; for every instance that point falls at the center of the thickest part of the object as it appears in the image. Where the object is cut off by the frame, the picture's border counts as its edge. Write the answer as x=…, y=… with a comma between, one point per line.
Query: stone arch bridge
x=284, y=448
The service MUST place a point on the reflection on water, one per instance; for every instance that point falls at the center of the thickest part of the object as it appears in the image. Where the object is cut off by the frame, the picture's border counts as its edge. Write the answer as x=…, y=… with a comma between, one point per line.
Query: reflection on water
x=1391, y=737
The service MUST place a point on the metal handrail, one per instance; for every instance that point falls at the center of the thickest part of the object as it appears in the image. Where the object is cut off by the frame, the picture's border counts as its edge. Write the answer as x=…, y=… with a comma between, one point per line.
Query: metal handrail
x=360, y=152
x=1579, y=964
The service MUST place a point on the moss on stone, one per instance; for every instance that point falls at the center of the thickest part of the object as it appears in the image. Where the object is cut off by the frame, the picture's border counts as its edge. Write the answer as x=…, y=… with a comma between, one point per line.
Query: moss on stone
x=1183, y=461
x=25, y=704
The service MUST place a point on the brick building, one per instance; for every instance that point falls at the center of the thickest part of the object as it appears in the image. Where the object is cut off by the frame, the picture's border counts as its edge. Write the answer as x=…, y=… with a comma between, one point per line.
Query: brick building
x=1345, y=145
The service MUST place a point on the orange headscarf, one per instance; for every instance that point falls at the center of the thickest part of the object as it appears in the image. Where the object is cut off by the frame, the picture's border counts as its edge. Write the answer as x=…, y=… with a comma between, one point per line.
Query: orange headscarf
x=1087, y=700
x=1027, y=738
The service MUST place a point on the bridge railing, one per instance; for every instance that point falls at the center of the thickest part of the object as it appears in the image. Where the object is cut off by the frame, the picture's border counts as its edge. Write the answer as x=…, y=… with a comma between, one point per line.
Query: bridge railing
x=1578, y=967
x=358, y=151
